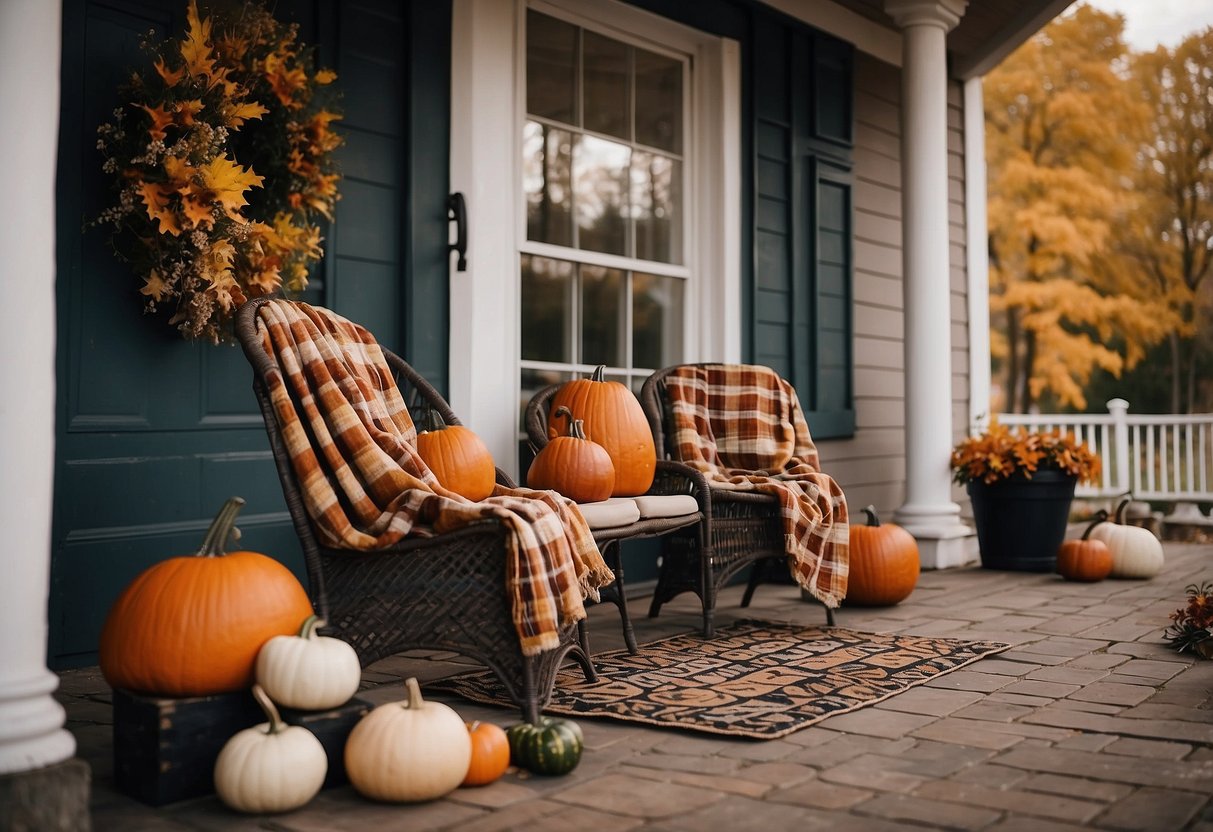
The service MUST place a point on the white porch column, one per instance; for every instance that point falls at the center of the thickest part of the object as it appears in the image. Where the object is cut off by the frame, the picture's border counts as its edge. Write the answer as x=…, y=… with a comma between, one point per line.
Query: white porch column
x=928, y=513
x=31, y=722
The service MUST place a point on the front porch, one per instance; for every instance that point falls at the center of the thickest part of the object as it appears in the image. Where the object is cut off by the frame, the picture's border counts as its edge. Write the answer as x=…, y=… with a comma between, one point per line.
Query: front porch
x=1089, y=721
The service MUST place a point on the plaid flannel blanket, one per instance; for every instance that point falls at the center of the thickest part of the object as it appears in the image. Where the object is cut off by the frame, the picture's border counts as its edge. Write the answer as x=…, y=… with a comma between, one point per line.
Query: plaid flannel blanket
x=743, y=427
x=353, y=447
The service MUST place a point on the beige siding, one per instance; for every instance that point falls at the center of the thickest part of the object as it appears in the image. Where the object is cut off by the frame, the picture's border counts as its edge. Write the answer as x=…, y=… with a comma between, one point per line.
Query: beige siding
x=871, y=465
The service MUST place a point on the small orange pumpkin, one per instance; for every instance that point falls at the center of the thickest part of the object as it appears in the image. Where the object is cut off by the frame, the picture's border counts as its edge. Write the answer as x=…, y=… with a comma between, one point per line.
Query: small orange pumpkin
x=490, y=753
x=883, y=564
x=193, y=625
x=615, y=420
x=458, y=457
x=1085, y=559
x=572, y=465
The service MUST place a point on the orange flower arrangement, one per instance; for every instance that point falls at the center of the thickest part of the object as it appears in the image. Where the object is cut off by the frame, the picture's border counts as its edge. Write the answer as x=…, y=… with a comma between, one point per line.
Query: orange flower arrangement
x=222, y=160
x=1000, y=453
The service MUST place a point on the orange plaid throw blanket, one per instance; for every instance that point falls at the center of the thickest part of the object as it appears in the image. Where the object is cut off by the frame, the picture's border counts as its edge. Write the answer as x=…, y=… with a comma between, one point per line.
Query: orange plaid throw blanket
x=353, y=447
x=742, y=426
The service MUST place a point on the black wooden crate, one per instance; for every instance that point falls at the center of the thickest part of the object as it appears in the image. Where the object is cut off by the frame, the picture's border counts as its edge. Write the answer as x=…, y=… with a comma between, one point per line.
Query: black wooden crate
x=165, y=749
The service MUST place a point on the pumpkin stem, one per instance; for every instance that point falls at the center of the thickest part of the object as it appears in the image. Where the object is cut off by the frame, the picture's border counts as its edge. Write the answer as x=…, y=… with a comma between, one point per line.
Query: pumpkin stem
x=576, y=426
x=432, y=420
x=276, y=724
x=1100, y=517
x=221, y=528
x=310, y=625
x=598, y=373
x=415, y=701
x=1123, y=508
x=873, y=520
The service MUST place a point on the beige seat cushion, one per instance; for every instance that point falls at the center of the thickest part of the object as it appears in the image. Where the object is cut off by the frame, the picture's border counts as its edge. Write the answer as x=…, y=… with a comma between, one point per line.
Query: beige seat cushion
x=666, y=505
x=607, y=514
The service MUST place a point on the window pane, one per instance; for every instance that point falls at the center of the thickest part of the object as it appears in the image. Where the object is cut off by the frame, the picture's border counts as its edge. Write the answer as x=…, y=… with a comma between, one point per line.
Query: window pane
x=606, y=85
x=602, y=316
x=532, y=382
x=656, y=321
x=547, y=309
x=658, y=101
x=657, y=207
x=600, y=181
x=551, y=68
x=547, y=162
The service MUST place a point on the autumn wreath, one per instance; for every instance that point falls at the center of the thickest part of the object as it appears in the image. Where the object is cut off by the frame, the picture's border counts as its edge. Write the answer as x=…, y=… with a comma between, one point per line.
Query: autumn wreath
x=222, y=161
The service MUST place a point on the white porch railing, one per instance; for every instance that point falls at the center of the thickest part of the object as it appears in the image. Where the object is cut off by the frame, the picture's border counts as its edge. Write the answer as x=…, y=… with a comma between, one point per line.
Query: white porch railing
x=1156, y=457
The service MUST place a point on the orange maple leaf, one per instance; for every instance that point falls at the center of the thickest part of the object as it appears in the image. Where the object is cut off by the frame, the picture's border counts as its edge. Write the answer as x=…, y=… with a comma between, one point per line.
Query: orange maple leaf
x=227, y=181
x=154, y=286
x=179, y=171
x=186, y=110
x=237, y=115
x=324, y=77
x=224, y=289
x=284, y=81
x=171, y=77
x=196, y=204
x=196, y=48
x=156, y=198
x=161, y=119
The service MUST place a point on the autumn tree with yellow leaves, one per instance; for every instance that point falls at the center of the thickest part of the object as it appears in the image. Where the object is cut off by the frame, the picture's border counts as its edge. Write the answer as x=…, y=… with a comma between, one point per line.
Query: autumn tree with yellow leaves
x=221, y=158
x=1063, y=131
x=1170, y=239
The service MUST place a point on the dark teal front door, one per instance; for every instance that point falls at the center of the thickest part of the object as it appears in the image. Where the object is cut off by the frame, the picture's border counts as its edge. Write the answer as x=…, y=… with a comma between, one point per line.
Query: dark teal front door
x=152, y=432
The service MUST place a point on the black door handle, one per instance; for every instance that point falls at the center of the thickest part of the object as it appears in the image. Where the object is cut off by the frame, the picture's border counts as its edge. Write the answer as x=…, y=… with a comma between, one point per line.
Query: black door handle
x=457, y=212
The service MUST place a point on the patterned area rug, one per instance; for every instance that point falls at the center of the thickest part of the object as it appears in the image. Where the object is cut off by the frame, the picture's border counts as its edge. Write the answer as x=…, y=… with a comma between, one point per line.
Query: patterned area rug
x=755, y=679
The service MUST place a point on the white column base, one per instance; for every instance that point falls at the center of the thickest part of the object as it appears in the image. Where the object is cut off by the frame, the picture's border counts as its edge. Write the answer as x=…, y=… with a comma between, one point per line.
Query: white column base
x=944, y=545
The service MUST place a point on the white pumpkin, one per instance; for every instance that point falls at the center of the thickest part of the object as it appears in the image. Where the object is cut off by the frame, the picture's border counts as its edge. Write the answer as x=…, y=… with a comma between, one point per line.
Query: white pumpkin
x=405, y=752
x=1136, y=552
x=272, y=767
x=307, y=671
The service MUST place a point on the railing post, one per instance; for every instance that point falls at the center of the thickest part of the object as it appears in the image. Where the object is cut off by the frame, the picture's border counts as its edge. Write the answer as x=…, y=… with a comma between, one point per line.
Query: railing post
x=1118, y=409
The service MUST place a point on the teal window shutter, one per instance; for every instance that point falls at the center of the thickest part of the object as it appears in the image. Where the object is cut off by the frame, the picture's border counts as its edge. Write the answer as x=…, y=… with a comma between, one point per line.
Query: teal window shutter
x=802, y=295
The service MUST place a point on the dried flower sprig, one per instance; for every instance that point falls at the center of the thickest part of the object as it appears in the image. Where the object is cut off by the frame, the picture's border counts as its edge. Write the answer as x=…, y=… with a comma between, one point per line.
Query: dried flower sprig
x=222, y=159
x=1191, y=627
x=1000, y=453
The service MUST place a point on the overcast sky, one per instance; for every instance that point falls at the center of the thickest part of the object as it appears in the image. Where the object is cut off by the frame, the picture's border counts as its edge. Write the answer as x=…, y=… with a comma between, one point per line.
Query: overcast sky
x=1149, y=23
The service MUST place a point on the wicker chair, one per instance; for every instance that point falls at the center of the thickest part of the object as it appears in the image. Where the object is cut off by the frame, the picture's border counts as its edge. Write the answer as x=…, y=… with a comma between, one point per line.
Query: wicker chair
x=446, y=592
x=742, y=530
x=676, y=533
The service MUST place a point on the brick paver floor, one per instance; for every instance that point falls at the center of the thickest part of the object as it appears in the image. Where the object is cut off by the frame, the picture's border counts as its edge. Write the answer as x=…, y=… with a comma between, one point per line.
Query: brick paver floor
x=1088, y=721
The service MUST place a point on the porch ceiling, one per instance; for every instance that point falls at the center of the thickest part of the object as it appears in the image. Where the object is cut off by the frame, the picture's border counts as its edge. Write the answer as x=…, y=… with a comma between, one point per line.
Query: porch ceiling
x=988, y=32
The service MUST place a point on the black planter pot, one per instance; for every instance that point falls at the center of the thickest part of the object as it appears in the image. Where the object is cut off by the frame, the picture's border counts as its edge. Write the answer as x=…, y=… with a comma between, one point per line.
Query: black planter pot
x=1021, y=522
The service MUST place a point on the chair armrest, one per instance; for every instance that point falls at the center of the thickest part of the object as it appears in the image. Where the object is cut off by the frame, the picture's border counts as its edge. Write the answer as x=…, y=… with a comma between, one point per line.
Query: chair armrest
x=678, y=478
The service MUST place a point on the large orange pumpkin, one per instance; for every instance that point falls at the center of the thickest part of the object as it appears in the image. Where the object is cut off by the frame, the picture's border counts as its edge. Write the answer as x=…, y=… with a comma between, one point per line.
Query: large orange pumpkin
x=614, y=419
x=574, y=466
x=458, y=457
x=192, y=625
x=883, y=564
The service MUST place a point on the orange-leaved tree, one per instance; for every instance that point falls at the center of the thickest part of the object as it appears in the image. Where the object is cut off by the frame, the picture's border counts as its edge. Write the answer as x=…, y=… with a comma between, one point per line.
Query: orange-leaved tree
x=1062, y=129
x=1170, y=238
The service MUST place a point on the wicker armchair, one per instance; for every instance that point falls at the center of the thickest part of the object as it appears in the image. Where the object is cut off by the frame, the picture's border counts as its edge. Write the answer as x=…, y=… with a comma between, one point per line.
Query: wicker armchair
x=676, y=534
x=446, y=592
x=742, y=529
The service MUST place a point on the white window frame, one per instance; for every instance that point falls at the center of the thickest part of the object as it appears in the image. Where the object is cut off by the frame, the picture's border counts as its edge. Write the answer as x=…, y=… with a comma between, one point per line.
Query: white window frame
x=488, y=60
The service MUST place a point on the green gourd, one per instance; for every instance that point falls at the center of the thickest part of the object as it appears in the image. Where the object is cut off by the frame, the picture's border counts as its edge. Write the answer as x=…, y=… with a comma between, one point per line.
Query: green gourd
x=553, y=747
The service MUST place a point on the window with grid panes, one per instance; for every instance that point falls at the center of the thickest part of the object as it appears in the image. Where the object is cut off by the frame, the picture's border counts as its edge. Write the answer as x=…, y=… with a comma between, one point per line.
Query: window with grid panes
x=603, y=166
